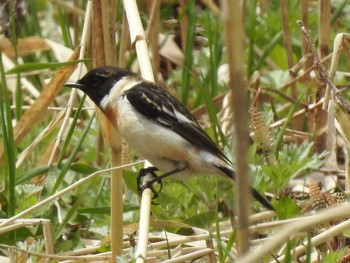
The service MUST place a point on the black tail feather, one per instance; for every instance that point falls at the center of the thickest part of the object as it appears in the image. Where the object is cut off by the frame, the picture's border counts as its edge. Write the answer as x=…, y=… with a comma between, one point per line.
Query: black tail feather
x=258, y=197
x=262, y=200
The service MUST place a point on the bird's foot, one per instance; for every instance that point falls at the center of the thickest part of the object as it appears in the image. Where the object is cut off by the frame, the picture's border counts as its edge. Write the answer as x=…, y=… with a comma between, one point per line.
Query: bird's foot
x=156, y=179
x=149, y=184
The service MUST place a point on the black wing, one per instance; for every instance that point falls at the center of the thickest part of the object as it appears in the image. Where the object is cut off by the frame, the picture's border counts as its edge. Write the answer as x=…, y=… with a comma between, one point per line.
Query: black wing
x=159, y=106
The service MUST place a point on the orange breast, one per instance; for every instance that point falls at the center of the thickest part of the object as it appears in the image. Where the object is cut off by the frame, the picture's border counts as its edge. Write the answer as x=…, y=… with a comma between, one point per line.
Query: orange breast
x=112, y=115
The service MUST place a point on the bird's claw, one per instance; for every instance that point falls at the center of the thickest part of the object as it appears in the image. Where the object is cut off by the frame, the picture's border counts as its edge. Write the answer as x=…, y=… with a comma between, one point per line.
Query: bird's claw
x=141, y=187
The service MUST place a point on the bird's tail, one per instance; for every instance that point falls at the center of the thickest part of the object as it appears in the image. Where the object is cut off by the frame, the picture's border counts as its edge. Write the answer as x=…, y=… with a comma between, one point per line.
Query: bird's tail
x=262, y=200
x=258, y=197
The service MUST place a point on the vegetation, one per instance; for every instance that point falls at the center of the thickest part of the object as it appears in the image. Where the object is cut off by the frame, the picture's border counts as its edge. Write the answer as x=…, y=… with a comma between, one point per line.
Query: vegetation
x=54, y=161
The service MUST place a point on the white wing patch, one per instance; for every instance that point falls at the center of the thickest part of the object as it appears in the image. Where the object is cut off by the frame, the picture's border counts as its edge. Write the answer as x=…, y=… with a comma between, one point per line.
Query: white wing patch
x=181, y=117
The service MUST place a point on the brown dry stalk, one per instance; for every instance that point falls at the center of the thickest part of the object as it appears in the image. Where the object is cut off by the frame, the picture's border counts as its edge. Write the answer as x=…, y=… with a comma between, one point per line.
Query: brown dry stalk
x=124, y=43
x=234, y=38
x=324, y=25
x=152, y=34
x=104, y=54
x=304, y=4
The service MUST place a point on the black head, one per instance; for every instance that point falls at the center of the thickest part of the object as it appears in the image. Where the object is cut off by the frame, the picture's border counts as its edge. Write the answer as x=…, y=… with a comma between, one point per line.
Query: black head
x=98, y=82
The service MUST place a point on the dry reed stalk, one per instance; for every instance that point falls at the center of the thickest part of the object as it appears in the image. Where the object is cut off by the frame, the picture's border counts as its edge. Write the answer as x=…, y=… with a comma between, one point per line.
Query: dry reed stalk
x=297, y=114
x=190, y=257
x=291, y=229
x=145, y=211
x=15, y=226
x=108, y=18
x=104, y=53
x=321, y=116
x=304, y=74
x=324, y=26
x=338, y=46
x=86, y=258
x=343, y=127
x=234, y=37
x=138, y=40
x=185, y=239
x=341, y=43
x=48, y=237
x=177, y=250
x=152, y=34
x=320, y=239
x=305, y=49
x=124, y=43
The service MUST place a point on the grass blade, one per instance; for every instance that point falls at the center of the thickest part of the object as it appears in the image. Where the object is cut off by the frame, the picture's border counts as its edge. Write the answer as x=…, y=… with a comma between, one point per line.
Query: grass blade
x=9, y=145
x=186, y=73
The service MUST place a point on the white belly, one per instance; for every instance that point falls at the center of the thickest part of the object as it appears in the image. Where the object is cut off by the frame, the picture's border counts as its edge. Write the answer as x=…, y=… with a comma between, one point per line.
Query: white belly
x=162, y=147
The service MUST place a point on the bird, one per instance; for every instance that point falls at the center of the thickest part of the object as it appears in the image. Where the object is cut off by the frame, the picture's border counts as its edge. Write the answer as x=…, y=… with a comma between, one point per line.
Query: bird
x=157, y=125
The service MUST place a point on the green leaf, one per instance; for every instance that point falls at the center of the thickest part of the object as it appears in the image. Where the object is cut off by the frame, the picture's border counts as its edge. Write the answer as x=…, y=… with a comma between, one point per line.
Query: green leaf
x=333, y=257
x=19, y=234
x=293, y=161
x=202, y=219
x=32, y=173
x=288, y=254
x=286, y=208
x=8, y=142
x=83, y=168
x=186, y=73
x=308, y=250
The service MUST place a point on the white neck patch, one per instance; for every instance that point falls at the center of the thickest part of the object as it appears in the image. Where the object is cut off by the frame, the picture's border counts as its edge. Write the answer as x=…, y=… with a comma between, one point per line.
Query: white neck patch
x=118, y=89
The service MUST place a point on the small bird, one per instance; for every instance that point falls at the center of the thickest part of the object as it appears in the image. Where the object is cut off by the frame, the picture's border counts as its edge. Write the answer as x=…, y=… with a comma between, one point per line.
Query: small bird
x=156, y=125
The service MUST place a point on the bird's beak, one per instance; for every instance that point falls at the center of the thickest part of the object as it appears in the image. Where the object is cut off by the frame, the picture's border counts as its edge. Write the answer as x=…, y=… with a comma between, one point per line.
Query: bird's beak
x=74, y=85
